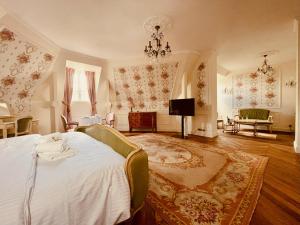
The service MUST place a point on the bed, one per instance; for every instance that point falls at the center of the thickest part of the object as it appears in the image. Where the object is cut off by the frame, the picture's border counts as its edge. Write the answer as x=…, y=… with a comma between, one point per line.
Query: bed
x=104, y=183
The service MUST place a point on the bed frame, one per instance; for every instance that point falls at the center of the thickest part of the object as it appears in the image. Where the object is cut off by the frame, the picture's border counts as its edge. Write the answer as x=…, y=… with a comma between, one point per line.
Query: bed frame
x=136, y=165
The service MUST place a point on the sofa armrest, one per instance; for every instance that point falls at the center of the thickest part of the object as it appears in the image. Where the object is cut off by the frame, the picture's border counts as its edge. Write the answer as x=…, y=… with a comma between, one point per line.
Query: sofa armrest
x=137, y=171
x=270, y=118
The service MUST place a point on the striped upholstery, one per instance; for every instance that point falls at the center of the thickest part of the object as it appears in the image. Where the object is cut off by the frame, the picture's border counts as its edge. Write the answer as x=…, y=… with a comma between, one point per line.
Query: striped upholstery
x=136, y=166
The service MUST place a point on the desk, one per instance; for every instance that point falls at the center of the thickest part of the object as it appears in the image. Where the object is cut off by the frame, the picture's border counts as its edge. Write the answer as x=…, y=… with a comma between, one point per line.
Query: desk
x=6, y=126
x=89, y=120
x=255, y=123
x=8, y=122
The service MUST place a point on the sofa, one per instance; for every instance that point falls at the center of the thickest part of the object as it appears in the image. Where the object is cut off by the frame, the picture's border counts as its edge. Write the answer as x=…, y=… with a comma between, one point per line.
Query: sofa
x=254, y=117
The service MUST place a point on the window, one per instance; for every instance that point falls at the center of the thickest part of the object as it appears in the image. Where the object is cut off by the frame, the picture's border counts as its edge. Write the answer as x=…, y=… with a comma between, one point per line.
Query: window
x=80, y=88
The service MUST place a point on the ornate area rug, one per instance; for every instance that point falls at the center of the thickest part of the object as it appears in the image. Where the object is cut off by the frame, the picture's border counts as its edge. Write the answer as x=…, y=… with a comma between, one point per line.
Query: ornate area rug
x=195, y=183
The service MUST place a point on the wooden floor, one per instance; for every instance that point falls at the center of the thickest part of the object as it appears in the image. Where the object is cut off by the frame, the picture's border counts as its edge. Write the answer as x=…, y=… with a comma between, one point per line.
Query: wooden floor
x=279, y=202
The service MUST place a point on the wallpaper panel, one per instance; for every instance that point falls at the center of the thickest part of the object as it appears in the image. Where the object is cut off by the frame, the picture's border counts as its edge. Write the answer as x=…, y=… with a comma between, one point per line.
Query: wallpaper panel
x=200, y=85
x=144, y=87
x=22, y=68
x=257, y=91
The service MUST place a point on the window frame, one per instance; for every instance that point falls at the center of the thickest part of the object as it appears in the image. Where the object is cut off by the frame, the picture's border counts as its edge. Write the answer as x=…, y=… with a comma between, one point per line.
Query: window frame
x=79, y=89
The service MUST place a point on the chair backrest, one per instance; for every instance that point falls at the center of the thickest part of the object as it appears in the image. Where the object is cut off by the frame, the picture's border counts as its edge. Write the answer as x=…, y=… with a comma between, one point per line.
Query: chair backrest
x=24, y=124
x=4, y=110
x=261, y=114
x=64, y=122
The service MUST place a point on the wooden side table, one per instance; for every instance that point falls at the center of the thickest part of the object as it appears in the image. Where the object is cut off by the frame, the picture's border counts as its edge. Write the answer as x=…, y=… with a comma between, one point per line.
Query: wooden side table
x=142, y=120
x=222, y=123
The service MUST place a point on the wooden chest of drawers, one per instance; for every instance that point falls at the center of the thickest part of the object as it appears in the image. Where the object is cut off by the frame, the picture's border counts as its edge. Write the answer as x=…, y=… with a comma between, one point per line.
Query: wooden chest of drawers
x=142, y=120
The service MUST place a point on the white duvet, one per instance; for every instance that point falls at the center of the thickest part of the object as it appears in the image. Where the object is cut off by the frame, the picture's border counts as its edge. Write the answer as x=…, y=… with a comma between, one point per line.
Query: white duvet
x=87, y=189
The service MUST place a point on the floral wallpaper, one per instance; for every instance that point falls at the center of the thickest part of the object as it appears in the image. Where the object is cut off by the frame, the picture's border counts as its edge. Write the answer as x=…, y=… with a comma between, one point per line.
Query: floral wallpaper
x=201, y=85
x=256, y=90
x=22, y=67
x=144, y=87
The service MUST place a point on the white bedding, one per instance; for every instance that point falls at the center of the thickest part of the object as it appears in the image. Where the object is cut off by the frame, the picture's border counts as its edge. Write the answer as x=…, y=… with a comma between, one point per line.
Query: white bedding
x=87, y=189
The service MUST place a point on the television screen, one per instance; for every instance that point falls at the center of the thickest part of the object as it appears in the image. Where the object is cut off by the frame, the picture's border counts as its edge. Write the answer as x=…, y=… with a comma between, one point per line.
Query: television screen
x=185, y=107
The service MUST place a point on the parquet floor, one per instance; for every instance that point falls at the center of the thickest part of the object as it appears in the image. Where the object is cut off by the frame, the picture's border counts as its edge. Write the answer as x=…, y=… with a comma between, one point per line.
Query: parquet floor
x=279, y=202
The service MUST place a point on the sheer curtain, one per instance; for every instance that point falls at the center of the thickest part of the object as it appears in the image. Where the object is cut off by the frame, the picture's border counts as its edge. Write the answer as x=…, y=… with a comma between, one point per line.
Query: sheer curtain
x=68, y=91
x=90, y=77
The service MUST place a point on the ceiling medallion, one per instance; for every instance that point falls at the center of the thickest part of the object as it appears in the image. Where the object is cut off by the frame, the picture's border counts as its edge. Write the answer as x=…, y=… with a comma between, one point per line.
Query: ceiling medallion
x=154, y=26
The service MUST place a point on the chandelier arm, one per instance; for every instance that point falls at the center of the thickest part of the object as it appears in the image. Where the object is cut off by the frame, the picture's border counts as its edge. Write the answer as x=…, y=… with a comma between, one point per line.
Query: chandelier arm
x=156, y=49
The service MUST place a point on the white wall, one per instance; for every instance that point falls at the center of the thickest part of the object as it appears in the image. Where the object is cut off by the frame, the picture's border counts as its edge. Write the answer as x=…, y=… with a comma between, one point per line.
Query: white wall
x=47, y=104
x=283, y=116
x=225, y=101
x=297, y=130
x=182, y=88
x=164, y=121
x=204, y=123
x=80, y=108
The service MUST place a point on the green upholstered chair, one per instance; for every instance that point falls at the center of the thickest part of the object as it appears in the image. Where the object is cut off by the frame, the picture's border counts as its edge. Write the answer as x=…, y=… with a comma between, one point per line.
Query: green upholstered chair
x=23, y=126
x=136, y=166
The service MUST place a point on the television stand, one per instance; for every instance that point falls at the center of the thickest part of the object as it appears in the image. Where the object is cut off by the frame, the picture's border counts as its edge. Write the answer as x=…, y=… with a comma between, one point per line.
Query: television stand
x=182, y=126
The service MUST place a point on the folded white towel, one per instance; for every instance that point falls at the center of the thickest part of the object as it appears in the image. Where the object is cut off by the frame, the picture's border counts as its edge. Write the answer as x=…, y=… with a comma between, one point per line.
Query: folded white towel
x=52, y=137
x=54, y=147
x=56, y=156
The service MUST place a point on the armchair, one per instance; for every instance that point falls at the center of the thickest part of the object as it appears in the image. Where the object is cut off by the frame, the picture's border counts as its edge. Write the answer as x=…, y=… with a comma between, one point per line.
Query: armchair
x=23, y=126
x=68, y=125
x=109, y=119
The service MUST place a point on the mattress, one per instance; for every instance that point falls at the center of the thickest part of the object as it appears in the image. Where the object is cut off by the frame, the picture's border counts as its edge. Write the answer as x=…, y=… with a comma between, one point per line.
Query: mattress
x=88, y=188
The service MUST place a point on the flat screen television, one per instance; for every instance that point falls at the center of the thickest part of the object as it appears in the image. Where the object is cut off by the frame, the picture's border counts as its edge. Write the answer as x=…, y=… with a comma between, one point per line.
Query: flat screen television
x=182, y=107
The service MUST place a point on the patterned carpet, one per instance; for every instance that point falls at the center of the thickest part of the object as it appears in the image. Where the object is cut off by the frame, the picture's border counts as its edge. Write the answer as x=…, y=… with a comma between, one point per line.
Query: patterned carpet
x=194, y=183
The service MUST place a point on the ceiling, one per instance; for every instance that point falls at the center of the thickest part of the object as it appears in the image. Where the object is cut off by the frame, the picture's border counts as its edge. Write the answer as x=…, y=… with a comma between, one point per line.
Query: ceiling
x=237, y=30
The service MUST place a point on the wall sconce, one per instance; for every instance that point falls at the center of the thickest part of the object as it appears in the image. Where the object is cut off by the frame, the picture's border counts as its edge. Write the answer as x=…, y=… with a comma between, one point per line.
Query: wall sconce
x=290, y=83
x=228, y=91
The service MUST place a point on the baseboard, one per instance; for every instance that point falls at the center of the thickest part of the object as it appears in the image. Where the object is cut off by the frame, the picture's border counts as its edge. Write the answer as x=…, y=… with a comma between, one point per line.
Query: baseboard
x=205, y=133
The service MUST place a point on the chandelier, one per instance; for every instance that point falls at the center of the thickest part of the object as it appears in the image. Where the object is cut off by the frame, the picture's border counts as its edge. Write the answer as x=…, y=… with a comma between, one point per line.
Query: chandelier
x=265, y=68
x=154, y=50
